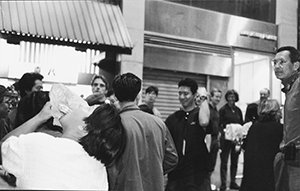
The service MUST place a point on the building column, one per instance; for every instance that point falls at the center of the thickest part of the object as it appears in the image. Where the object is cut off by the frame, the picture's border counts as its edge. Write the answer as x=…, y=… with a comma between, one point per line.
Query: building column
x=134, y=16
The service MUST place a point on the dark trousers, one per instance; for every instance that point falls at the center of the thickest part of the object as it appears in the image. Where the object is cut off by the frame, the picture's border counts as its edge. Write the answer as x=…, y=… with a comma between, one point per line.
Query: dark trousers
x=228, y=147
x=214, y=149
x=195, y=182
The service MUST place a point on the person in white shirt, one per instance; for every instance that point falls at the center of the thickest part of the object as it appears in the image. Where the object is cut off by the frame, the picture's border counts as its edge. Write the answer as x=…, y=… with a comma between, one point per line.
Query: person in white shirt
x=76, y=160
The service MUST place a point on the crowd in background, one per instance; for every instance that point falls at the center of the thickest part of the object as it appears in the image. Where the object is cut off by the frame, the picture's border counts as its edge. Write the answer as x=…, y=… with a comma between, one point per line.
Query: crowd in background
x=118, y=142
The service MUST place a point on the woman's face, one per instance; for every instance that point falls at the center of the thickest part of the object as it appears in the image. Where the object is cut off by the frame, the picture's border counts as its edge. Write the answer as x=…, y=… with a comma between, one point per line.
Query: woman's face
x=231, y=99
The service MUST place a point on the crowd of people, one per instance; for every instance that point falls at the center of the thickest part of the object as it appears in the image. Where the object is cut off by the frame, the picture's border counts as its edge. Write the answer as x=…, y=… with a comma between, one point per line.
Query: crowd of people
x=118, y=142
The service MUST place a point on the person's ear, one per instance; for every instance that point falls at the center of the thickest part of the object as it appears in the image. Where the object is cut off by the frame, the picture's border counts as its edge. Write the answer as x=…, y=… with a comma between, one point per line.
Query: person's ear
x=138, y=98
x=296, y=66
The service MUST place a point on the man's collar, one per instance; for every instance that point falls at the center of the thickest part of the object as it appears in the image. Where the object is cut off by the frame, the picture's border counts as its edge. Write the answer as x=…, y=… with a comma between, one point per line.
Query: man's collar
x=127, y=105
x=189, y=109
x=287, y=83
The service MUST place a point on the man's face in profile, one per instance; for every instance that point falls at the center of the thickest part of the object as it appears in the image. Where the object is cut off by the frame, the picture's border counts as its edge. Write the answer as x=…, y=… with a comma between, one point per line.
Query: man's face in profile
x=38, y=86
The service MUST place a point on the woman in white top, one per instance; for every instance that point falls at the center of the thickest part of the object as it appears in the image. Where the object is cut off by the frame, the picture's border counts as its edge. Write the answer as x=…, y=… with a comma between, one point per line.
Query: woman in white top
x=76, y=160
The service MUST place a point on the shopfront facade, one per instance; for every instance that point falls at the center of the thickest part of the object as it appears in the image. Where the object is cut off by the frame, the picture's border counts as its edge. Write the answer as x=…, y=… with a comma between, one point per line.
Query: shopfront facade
x=218, y=50
x=66, y=41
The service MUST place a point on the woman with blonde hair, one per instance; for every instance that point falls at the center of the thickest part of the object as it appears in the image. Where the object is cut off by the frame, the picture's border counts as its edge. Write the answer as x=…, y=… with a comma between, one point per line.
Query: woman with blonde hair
x=263, y=141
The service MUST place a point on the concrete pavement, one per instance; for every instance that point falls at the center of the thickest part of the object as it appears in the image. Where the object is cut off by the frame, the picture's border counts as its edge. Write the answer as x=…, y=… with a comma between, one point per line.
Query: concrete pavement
x=215, y=179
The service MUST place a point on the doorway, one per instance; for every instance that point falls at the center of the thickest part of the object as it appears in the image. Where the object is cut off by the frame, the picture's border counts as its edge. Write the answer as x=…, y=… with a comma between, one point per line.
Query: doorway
x=252, y=72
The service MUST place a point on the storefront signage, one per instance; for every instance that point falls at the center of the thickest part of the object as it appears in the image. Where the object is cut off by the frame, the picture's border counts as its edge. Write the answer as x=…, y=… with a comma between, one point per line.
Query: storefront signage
x=52, y=73
x=253, y=34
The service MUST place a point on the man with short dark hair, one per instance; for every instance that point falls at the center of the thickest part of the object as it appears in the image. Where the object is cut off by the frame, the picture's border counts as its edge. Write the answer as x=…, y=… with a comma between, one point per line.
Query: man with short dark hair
x=150, y=152
x=151, y=94
x=287, y=163
x=188, y=127
x=99, y=88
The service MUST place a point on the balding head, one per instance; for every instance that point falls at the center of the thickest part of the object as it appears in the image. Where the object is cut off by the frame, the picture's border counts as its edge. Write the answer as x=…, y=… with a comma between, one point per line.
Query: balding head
x=264, y=94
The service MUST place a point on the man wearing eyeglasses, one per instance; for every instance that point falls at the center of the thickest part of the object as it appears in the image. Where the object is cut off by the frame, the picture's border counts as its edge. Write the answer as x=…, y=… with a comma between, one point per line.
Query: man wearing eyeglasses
x=99, y=88
x=287, y=162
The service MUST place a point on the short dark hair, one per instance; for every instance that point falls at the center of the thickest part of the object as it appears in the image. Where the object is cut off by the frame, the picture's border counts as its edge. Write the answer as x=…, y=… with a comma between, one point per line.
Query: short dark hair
x=294, y=53
x=212, y=92
x=152, y=89
x=232, y=92
x=106, y=138
x=127, y=86
x=27, y=81
x=102, y=78
x=189, y=83
x=110, y=92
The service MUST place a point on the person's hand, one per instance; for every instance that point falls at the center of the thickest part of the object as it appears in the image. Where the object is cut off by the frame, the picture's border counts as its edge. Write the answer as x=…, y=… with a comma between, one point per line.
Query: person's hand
x=46, y=112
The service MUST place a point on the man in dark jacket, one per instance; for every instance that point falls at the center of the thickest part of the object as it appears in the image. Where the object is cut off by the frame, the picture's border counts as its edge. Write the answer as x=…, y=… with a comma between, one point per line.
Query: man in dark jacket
x=251, y=111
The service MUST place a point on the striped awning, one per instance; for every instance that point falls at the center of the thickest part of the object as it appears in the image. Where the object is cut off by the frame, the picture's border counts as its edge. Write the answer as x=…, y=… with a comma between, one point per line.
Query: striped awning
x=79, y=23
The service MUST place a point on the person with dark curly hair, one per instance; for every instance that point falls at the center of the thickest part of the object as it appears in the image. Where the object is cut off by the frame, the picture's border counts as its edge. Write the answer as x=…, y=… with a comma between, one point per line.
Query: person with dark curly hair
x=263, y=141
x=90, y=141
x=229, y=114
x=29, y=82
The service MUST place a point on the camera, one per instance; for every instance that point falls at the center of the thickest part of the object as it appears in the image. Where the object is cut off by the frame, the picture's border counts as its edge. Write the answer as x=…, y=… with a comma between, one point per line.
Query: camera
x=290, y=152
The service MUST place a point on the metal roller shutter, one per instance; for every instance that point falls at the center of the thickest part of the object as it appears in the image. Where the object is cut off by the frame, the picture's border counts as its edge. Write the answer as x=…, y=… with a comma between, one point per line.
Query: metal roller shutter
x=167, y=83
